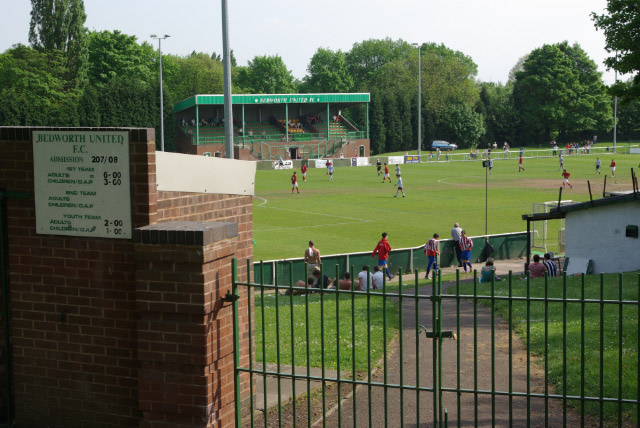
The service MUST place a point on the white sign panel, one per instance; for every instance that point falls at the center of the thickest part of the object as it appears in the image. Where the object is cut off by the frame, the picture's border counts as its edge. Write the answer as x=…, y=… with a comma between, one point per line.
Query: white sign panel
x=395, y=159
x=321, y=163
x=285, y=165
x=360, y=162
x=81, y=181
x=178, y=172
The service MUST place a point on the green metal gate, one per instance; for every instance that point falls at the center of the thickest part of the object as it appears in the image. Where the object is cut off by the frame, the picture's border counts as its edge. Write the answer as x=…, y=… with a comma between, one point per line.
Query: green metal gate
x=575, y=364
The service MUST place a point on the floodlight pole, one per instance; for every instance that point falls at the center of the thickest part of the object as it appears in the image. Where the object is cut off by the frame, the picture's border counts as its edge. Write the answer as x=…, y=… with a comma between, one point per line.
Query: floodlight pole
x=226, y=64
x=419, y=45
x=486, y=201
x=160, y=39
x=615, y=113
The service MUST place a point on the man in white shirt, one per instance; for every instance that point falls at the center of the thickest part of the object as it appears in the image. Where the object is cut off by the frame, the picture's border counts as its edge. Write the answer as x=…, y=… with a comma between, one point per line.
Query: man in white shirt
x=456, y=234
x=377, y=278
x=364, y=279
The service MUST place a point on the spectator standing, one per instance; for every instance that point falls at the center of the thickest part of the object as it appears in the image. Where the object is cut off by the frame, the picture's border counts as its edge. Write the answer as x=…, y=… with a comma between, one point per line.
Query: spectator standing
x=456, y=234
x=552, y=269
x=294, y=182
x=431, y=251
x=382, y=250
x=438, y=153
x=312, y=258
x=536, y=268
x=466, y=244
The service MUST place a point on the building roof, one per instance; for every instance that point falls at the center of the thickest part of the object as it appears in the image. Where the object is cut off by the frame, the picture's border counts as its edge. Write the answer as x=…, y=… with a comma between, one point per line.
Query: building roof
x=561, y=212
x=218, y=99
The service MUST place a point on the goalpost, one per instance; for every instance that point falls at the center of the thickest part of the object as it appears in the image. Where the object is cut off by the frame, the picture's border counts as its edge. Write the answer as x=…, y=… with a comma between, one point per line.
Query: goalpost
x=542, y=234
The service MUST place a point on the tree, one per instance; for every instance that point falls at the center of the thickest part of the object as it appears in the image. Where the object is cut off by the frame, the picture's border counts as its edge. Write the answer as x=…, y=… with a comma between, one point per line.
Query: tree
x=462, y=126
x=366, y=58
x=497, y=109
x=194, y=74
x=328, y=72
x=560, y=91
x=32, y=88
x=114, y=54
x=621, y=26
x=59, y=24
x=267, y=75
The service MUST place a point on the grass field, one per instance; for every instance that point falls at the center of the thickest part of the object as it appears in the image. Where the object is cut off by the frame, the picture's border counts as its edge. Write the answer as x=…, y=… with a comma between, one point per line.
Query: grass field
x=350, y=213
x=613, y=324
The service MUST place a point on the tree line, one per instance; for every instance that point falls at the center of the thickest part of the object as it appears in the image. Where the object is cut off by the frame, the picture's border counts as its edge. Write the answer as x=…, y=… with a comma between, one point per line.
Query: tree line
x=69, y=76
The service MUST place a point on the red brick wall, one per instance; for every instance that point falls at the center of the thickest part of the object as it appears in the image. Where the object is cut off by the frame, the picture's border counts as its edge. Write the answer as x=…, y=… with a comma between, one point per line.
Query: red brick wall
x=73, y=300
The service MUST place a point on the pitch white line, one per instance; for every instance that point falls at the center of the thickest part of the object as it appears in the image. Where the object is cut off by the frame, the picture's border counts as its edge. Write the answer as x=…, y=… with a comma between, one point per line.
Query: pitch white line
x=311, y=226
x=443, y=180
x=312, y=213
x=264, y=203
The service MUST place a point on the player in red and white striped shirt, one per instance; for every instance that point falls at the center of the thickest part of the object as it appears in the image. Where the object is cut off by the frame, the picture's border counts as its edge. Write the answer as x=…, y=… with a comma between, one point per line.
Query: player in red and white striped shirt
x=466, y=244
x=431, y=251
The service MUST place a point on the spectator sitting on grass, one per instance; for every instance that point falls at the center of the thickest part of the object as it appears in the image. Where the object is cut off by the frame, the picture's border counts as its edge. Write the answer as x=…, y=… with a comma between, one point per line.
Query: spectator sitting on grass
x=322, y=281
x=345, y=284
x=536, y=268
x=485, y=272
x=311, y=281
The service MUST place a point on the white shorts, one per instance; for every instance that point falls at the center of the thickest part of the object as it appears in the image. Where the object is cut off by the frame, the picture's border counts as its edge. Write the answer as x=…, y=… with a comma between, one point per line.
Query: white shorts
x=566, y=180
x=295, y=185
x=613, y=169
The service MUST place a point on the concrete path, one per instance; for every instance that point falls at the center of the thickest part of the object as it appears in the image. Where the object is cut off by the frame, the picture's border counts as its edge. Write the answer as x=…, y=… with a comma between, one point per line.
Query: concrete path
x=416, y=362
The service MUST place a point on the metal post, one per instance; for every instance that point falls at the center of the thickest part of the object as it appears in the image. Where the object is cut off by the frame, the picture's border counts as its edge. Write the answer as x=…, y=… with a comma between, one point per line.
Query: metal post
x=368, y=129
x=226, y=63
x=153, y=36
x=328, y=121
x=286, y=122
x=244, y=131
x=486, y=200
x=615, y=113
x=419, y=101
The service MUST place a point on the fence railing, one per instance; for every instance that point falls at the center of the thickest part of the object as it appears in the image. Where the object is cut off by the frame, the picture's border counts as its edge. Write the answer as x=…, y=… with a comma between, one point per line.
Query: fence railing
x=499, y=154
x=503, y=246
x=582, y=330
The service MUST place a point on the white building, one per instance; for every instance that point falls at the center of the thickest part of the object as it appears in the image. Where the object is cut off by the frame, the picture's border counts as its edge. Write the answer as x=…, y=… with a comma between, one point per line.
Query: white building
x=603, y=231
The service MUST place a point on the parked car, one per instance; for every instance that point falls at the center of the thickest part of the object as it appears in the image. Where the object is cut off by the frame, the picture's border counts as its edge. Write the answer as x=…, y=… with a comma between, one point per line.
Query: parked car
x=442, y=145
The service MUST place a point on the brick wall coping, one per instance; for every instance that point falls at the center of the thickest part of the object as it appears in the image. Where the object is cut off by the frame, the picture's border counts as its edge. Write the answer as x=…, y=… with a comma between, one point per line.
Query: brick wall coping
x=185, y=232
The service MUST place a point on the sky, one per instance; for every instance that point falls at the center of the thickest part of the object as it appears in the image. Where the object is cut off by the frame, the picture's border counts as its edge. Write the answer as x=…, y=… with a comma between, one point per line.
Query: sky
x=494, y=33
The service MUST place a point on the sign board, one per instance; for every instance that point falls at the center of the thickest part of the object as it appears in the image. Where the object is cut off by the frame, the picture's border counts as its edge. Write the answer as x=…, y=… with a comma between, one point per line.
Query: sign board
x=634, y=150
x=285, y=165
x=395, y=159
x=81, y=182
x=360, y=162
x=412, y=159
x=321, y=163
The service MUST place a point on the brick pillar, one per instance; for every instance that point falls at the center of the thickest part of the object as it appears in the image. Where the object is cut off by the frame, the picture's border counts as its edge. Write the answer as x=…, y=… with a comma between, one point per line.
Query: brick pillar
x=185, y=332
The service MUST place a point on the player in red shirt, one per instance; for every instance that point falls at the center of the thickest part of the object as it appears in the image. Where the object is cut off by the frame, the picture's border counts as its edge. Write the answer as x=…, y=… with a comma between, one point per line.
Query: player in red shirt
x=565, y=178
x=386, y=173
x=520, y=167
x=382, y=250
x=294, y=182
x=303, y=170
x=613, y=168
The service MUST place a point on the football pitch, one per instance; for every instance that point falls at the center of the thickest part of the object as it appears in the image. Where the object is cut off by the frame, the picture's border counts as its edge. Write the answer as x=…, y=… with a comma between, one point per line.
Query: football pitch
x=349, y=213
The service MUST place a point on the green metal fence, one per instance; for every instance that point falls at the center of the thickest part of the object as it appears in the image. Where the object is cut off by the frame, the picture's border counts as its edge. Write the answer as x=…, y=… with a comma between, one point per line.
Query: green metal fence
x=499, y=247
x=584, y=336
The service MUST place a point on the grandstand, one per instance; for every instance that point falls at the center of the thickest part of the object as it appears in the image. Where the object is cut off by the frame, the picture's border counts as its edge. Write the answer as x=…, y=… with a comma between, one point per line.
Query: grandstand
x=270, y=126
